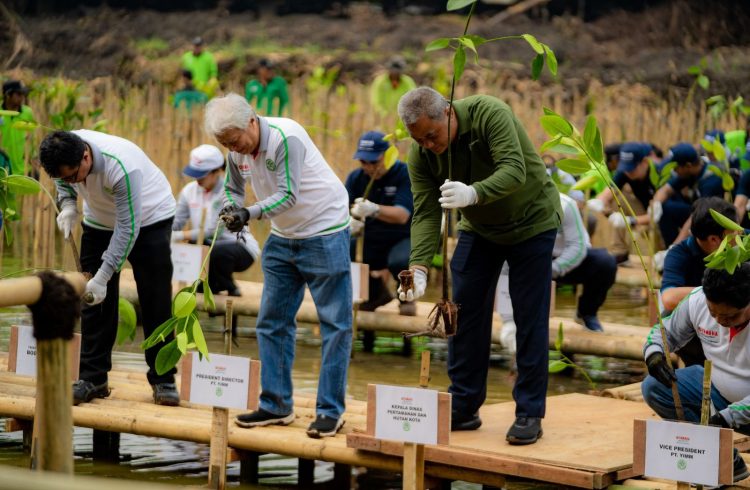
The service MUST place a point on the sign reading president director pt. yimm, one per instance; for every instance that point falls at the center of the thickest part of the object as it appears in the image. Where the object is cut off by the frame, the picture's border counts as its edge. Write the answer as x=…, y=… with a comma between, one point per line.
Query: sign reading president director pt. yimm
x=220, y=381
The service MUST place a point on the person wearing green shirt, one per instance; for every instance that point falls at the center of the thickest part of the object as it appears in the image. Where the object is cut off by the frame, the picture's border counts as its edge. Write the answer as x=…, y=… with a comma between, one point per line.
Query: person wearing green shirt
x=389, y=87
x=202, y=65
x=14, y=139
x=188, y=96
x=510, y=211
x=267, y=88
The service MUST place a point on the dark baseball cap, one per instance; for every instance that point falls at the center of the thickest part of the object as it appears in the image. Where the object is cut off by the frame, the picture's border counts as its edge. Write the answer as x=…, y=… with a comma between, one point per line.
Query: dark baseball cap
x=631, y=154
x=371, y=146
x=681, y=154
x=12, y=86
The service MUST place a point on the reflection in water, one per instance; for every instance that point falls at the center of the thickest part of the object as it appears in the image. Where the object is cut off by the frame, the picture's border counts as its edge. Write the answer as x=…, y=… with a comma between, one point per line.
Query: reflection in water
x=186, y=463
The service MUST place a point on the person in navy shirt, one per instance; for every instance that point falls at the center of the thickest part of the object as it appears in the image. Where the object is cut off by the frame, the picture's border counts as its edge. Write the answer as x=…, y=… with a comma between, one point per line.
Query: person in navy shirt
x=692, y=180
x=384, y=215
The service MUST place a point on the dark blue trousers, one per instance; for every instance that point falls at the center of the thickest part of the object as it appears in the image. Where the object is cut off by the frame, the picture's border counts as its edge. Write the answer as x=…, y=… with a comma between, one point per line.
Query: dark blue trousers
x=475, y=269
x=597, y=274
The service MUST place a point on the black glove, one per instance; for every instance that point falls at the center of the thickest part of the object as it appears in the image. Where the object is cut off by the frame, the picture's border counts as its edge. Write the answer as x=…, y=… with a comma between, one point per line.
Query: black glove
x=718, y=420
x=658, y=368
x=234, y=217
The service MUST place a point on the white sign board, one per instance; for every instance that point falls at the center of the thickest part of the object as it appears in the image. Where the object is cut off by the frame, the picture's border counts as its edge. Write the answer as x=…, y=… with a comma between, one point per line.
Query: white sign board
x=360, y=282
x=22, y=352
x=186, y=261
x=406, y=414
x=682, y=452
x=222, y=381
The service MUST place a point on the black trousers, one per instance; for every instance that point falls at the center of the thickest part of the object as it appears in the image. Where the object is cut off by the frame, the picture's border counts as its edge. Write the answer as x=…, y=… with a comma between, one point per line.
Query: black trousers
x=152, y=268
x=597, y=274
x=227, y=257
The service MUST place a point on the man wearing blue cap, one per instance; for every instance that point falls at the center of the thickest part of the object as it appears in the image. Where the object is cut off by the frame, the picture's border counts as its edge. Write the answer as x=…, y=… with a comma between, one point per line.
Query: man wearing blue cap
x=632, y=171
x=206, y=194
x=384, y=214
x=692, y=180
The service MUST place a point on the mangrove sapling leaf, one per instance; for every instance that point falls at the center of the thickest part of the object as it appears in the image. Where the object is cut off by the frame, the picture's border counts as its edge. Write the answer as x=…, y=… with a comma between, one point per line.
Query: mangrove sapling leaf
x=182, y=341
x=739, y=242
x=547, y=145
x=727, y=182
x=703, y=81
x=694, y=70
x=536, y=66
x=556, y=366
x=159, y=334
x=573, y=166
x=5, y=112
x=184, y=303
x=718, y=150
x=199, y=339
x=653, y=174
x=458, y=4
x=168, y=357
x=585, y=183
x=535, y=45
x=551, y=60
x=208, y=296
x=549, y=112
x=560, y=337
x=589, y=133
x=440, y=43
x=666, y=173
x=563, y=148
x=21, y=184
x=126, y=321
x=596, y=150
x=725, y=222
x=477, y=40
x=459, y=61
x=25, y=125
x=555, y=125
x=733, y=258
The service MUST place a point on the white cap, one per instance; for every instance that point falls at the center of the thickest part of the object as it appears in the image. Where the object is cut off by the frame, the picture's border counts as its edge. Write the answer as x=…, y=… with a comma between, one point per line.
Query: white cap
x=203, y=159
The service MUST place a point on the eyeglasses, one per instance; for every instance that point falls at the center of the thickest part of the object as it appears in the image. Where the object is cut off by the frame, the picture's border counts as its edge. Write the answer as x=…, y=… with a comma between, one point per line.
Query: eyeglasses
x=72, y=178
x=369, y=162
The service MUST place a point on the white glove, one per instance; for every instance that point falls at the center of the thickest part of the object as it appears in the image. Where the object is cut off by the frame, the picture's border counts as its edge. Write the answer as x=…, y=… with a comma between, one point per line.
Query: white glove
x=178, y=236
x=659, y=260
x=595, y=205
x=508, y=336
x=617, y=220
x=420, y=284
x=656, y=209
x=67, y=219
x=457, y=195
x=96, y=289
x=356, y=227
x=364, y=209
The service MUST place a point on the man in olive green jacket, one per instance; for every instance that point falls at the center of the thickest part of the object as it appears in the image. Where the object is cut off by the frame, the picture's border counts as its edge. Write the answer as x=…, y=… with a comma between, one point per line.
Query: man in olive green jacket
x=510, y=211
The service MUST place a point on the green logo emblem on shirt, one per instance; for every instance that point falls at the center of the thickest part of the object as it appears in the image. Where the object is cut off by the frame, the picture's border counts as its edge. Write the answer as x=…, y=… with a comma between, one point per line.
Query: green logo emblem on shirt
x=270, y=165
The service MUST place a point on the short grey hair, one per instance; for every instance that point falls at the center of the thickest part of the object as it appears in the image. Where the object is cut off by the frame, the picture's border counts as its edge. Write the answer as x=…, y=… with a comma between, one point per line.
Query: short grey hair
x=421, y=101
x=231, y=111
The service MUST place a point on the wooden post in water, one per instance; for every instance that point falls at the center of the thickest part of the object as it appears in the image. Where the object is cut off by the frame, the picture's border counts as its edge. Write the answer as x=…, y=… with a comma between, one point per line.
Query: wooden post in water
x=413, y=471
x=217, y=465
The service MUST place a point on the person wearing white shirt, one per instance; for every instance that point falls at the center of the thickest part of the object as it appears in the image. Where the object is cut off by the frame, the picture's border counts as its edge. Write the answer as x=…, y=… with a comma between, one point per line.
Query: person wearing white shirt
x=308, y=207
x=231, y=252
x=128, y=208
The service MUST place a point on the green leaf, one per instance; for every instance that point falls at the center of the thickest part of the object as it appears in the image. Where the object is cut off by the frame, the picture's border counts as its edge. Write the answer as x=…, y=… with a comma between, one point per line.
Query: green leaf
x=556, y=125
x=703, y=81
x=740, y=243
x=718, y=150
x=567, y=149
x=440, y=43
x=477, y=40
x=183, y=304
x=160, y=333
x=549, y=112
x=549, y=144
x=727, y=182
x=535, y=45
x=458, y=4
x=597, y=148
x=653, y=174
x=168, y=357
x=5, y=112
x=459, y=61
x=199, y=338
x=466, y=41
x=733, y=258
x=536, y=66
x=126, y=321
x=725, y=222
x=208, y=295
x=182, y=341
x=21, y=184
x=551, y=60
x=694, y=70
x=560, y=337
x=557, y=366
x=707, y=145
x=573, y=166
x=589, y=133
x=666, y=170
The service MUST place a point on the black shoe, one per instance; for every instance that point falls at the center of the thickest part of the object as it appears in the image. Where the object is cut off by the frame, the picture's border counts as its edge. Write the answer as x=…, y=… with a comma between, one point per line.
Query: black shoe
x=166, y=394
x=85, y=391
x=465, y=422
x=379, y=296
x=740, y=468
x=324, y=426
x=621, y=258
x=591, y=322
x=261, y=417
x=525, y=430
x=235, y=291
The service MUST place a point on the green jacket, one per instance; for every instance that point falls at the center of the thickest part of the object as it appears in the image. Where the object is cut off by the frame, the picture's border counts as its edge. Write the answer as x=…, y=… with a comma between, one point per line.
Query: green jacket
x=14, y=140
x=516, y=198
x=189, y=98
x=384, y=98
x=202, y=67
x=262, y=96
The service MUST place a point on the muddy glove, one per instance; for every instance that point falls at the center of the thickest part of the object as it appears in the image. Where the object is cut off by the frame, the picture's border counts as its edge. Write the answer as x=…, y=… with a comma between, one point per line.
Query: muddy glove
x=364, y=209
x=235, y=218
x=595, y=205
x=96, y=289
x=659, y=260
x=420, y=284
x=356, y=227
x=718, y=420
x=457, y=195
x=508, y=336
x=67, y=219
x=617, y=220
x=658, y=211
x=658, y=368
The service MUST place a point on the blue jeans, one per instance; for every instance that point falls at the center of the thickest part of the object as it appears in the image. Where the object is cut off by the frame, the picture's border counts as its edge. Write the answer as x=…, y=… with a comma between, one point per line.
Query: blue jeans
x=690, y=387
x=321, y=262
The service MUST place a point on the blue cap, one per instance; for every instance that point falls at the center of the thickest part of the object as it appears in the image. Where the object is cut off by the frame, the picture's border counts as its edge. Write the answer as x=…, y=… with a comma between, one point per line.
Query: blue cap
x=631, y=154
x=711, y=136
x=682, y=154
x=371, y=146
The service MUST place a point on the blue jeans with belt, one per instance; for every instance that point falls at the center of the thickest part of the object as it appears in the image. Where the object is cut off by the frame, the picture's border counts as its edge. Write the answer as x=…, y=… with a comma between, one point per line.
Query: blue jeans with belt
x=475, y=268
x=322, y=263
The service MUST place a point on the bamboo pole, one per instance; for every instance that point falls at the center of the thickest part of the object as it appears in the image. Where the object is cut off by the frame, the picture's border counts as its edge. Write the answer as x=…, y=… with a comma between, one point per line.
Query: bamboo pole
x=413, y=471
x=217, y=467
x=53, y=406
x=27, y=290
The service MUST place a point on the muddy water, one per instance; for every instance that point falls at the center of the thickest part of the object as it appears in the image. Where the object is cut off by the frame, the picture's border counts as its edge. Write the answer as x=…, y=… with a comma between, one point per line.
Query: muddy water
x=185, y=463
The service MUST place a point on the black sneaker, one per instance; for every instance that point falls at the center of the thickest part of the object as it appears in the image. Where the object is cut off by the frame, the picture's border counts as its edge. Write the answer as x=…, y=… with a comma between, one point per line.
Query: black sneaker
x=261, y=417
x=324, y=427
x=465, y=422
x=591, y=322
x=525, y=430
x=85, y=391
x=166, y=394
x=379, y=296
x=740, y=468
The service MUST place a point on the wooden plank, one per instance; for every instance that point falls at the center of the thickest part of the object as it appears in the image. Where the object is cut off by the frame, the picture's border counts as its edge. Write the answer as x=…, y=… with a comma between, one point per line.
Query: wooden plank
x=371, y=411
x=413, y=472
x=639, y=447
x=186, y=374
x=444, y=418
x=253, y=387
x=217, y=475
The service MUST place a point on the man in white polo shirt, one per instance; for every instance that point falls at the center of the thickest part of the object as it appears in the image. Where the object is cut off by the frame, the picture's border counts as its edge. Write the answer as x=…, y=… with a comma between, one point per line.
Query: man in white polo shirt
x=309, y=245
x=128, y=209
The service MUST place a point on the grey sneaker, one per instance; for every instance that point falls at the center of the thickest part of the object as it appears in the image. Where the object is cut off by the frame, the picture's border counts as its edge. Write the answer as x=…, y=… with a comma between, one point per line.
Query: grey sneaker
x=85, y=391
x=166, y=394
x=261, y=417
x=324, y=427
